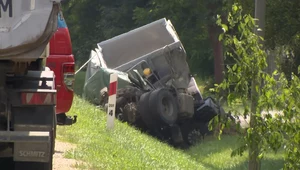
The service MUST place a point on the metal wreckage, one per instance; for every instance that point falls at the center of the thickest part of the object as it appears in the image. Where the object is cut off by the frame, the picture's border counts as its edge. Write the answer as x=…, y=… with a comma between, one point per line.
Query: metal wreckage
x=156, y=91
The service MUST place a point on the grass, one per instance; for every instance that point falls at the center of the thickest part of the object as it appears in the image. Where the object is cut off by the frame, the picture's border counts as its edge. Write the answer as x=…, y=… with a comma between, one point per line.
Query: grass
x=127, y=148
x=204, y=85
x=79, y=82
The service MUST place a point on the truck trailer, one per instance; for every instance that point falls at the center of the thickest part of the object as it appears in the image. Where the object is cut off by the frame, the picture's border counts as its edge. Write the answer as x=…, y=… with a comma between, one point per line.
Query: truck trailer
x=156, y=91
x=27, y=86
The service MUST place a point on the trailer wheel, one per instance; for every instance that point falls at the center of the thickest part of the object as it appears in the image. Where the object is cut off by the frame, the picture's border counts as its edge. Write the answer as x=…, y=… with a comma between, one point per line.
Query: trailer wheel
x=193, y=133
x=126, y=109
x=164, y=106
x=143, y=109
x=130, y=113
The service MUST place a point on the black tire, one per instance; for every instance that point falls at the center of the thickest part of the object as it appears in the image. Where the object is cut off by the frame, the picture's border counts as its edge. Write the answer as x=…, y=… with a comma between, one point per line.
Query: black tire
x=164, y=106
x=130, y=113
x=126, y=104
x=128, y=92
x=126, y=95
x=143, y=109
x=193, y=133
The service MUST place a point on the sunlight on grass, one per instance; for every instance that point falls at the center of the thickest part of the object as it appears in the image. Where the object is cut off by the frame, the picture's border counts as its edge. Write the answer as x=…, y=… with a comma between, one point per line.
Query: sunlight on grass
x=215, y=154
x=79, y=82
x=122, y=148
x=128, y=148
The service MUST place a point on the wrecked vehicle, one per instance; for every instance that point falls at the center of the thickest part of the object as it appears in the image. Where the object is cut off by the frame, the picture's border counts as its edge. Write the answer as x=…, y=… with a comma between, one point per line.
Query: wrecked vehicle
x=156, y=91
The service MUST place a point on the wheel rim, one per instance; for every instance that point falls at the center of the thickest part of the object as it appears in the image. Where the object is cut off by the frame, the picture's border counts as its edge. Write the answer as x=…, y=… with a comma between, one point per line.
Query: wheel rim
x=194, y=137
x=130, y=112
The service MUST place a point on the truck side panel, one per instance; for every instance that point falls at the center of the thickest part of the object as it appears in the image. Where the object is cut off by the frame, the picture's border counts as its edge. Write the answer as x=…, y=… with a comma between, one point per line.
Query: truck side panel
x=64, y=95
x=61, y=61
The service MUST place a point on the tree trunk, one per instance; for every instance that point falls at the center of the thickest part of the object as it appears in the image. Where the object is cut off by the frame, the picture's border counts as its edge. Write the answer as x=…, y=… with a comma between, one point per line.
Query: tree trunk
x=254, y=162
x=214, y=31
x=254, y=149
x=217, y=52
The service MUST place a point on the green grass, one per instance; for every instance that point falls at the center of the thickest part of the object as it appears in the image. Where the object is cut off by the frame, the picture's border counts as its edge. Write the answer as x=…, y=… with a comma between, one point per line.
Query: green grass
x=202, y=85
x=79, y=82
x=127, y=148
x=215, y=154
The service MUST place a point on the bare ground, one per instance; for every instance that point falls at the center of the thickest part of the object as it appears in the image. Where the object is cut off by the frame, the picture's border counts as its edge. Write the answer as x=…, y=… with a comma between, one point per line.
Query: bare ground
x=59, y=161
x=245, y=122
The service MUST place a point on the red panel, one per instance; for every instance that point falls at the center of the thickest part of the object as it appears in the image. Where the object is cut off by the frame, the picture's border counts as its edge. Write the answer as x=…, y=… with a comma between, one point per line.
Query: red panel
x=112, y=88
x=60, y=43
x=69, y=68
x=60, y=54
x=64, y=96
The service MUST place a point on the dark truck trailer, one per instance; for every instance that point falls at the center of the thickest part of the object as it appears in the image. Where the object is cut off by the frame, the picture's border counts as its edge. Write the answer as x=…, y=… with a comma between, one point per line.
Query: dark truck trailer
x=27, y=87
x=160, y=95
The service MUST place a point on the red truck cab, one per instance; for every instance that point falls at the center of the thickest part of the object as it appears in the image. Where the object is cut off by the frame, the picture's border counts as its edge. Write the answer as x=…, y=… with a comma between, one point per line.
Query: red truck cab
x=61, y=61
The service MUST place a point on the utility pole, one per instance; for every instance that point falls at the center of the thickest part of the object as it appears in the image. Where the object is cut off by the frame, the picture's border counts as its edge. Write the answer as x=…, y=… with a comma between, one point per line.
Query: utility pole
x=260, y=13
x=254, y=163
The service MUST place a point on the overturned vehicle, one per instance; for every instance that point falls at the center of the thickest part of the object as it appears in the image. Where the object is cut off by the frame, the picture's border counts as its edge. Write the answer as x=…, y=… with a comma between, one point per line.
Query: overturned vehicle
x=156, y=91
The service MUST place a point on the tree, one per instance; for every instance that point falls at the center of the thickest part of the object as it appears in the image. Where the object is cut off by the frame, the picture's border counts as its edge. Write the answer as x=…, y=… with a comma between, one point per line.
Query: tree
x=214, y=31
x=269, y=131
x=93, y=21
x=190, y=21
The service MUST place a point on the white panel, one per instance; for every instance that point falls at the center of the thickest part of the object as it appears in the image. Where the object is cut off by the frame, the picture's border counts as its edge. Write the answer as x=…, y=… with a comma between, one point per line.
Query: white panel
x=23, y=22
x=32, y=5
x=138, y=42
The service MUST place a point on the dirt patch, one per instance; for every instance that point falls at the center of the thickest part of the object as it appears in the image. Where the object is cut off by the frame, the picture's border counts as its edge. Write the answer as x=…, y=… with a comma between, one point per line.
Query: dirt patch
x=59, y=161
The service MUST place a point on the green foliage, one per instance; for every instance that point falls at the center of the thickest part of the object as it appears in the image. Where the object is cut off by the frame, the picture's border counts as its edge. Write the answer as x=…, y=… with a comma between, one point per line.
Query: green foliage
x=269, y=93
x=190, y=21
x=93, y=21
x=79, y=83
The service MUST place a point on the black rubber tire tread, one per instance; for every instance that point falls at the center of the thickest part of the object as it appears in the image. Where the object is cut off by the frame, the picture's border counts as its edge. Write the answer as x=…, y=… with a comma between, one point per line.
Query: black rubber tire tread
x=125, y=95
x=144, y=110
x=190, y=126
x=127, y=92
x=156, y=106
x=128, y=111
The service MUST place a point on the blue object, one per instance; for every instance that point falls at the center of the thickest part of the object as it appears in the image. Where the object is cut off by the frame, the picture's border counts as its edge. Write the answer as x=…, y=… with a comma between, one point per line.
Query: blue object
x=61, y=21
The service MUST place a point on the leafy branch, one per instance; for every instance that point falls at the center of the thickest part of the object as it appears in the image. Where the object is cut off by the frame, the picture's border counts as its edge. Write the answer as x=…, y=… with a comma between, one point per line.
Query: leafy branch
x=272, y=101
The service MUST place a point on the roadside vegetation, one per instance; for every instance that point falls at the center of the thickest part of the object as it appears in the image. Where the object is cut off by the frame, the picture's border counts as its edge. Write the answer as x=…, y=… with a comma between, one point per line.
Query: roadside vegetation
x=79, y=82
x=127, y=148
x=252, y=84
